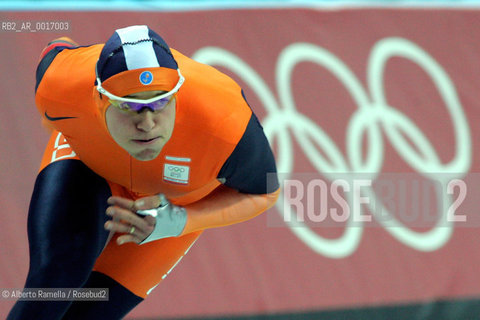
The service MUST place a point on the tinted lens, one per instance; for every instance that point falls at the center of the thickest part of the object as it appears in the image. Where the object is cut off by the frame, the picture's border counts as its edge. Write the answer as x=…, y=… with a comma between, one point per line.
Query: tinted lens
x=134, y=106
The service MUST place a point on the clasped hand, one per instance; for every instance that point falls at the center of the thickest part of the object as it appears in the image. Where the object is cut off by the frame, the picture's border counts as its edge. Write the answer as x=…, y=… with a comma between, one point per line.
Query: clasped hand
x=126, y=220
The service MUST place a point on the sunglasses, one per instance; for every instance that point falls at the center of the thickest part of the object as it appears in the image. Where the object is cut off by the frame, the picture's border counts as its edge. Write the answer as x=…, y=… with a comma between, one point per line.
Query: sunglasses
x=156, y=105
x=136, y=105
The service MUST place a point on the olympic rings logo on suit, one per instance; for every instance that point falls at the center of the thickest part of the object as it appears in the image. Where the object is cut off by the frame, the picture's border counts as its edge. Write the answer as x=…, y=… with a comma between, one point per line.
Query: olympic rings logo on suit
x=373, y=116
x=176, y=169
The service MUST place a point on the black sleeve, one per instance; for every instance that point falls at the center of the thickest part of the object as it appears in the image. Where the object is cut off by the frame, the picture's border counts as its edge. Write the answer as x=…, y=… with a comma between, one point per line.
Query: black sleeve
x=251, y=166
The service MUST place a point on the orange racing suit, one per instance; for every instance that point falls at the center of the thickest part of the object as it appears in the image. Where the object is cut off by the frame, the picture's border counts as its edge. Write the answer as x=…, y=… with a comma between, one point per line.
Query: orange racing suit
x=212, y=117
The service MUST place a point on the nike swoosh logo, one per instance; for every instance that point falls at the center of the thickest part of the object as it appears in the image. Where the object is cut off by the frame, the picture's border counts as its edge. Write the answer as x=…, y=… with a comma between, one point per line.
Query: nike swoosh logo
x=57, y=118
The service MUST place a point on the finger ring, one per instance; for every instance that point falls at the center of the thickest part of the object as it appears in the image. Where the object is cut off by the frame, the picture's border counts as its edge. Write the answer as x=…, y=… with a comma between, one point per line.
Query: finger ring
x=132, y=230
